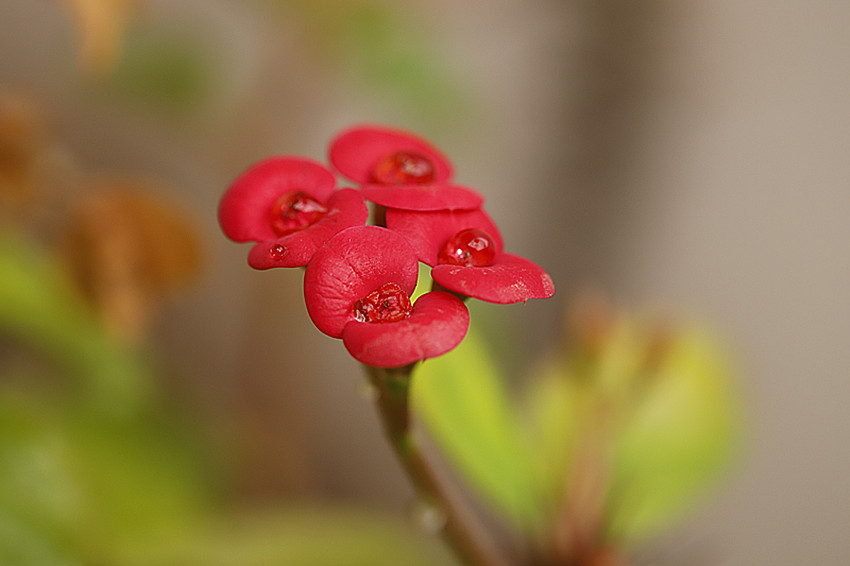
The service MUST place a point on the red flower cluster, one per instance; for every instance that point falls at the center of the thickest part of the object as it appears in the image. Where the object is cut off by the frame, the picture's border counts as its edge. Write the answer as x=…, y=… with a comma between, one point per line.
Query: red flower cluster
x=359, y=279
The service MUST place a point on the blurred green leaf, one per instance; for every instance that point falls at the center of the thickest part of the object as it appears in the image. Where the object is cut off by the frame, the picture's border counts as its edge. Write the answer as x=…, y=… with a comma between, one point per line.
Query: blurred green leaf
x=140, y=477
x=679, y=440
x=38, y=306
x=461, y=398
x=554, y=404
x=165, y=67
x=39, y=501
x=657, y=411
x=383, y=46
x=82, y=486
x=298, y=537
x=391, y=53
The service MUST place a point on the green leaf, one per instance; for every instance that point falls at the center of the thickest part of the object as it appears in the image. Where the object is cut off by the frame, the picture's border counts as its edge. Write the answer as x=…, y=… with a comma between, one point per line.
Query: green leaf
x=555, y=403
x=39, y=501
x=680, y=438
x=462, y=400
x=169, y=68
x=298, y=537
x=81, y=486
x=139, y=477
x=38, y=307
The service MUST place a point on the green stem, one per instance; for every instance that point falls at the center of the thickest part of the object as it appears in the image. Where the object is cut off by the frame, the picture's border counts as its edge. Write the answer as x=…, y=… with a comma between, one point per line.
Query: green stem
x=393, y=403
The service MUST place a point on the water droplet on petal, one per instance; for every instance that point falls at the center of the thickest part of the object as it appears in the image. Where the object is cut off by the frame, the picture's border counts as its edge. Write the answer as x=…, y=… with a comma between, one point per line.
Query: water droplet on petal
x=404, y=168
x=388, y=303
x=277, y=252
x=294, y=211
x=470, y=247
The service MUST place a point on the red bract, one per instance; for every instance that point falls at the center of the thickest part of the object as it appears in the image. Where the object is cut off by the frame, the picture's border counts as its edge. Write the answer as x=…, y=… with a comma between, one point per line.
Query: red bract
x=438, y=323
x=506, y=279
x=509, y=279
x=357, y=287
x=428, y=232
x=289, y=206
x=398, y=169
x=362, y=151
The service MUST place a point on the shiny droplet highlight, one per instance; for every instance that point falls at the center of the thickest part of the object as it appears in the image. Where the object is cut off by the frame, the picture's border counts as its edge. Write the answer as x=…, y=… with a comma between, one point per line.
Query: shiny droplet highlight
x=277, y=252
x=294, y=211
x=428, y=517
x=388, y=303
x=404, y=168
x=470, y=247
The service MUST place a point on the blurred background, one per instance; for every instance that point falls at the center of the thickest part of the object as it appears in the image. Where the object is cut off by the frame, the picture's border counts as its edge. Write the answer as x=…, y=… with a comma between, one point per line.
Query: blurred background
x=687, y=155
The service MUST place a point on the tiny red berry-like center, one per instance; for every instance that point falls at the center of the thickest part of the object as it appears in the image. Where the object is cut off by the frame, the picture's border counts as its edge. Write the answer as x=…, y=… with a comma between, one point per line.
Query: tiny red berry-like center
x=470, y=247
x=403, y=168
x=388, y=303
x=294, y=211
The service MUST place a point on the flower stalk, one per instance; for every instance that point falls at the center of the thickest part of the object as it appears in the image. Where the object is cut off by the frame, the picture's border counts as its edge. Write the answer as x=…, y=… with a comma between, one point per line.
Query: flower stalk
x=393, y=404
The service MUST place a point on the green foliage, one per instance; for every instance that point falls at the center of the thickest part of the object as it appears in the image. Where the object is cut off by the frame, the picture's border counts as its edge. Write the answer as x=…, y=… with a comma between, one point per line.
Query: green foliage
x=86, y=463
x=382, y=46
x=39, y=501
x=79, y=486
x=678, y=441
x=553, y=404
x=169, y=69
x=106, y=476
x=661, y=419
x=38, y=307
x=318, y=537
x=461, y=398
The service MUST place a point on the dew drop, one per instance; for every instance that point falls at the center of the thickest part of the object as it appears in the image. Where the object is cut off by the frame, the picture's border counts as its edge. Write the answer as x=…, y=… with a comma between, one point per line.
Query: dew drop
x=427, y=517
x=277, y=252
x=294, y=211
x=388, y=303
x=470, y=247
x=404, y=168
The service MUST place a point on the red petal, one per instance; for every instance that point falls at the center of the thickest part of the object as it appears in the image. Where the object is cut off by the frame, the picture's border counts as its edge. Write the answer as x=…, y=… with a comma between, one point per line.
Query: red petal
x=244, y=209
x=428, y=232
x=355, y=151
x=351, y=265
x=346, y=208
x=511, y=279
x=423, y=197
x=438, y=324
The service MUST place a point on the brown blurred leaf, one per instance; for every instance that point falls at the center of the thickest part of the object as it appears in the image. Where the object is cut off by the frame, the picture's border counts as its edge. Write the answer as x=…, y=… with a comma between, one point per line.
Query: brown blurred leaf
x=101, y=25
x=128, y=247
x=22, y=140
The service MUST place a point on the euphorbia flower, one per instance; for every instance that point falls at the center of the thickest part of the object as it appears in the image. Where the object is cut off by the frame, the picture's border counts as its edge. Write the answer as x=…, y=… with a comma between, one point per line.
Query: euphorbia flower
x=397, y=169
x=357, y=287
x=288, y=205
x=464, y=248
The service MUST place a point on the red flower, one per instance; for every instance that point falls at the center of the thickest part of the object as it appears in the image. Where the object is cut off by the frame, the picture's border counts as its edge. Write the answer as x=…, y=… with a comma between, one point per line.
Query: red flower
x=289, y=206
x=357, y=287
x=397, y=169
x=464, y=248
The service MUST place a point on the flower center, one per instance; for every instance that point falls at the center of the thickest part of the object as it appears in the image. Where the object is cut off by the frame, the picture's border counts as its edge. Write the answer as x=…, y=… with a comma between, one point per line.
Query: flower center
x=294, y=211
x=403, y=168
x=470, y=247
x=388, y=303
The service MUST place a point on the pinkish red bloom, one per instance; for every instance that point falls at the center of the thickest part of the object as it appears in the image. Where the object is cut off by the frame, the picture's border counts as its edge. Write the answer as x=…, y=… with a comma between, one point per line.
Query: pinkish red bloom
x=357, y=287
x=465, y=249
x=290, y=206
x=398, y=169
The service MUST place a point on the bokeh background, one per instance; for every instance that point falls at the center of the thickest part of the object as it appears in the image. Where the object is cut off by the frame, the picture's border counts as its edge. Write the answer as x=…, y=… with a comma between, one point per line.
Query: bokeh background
x=685, y=155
